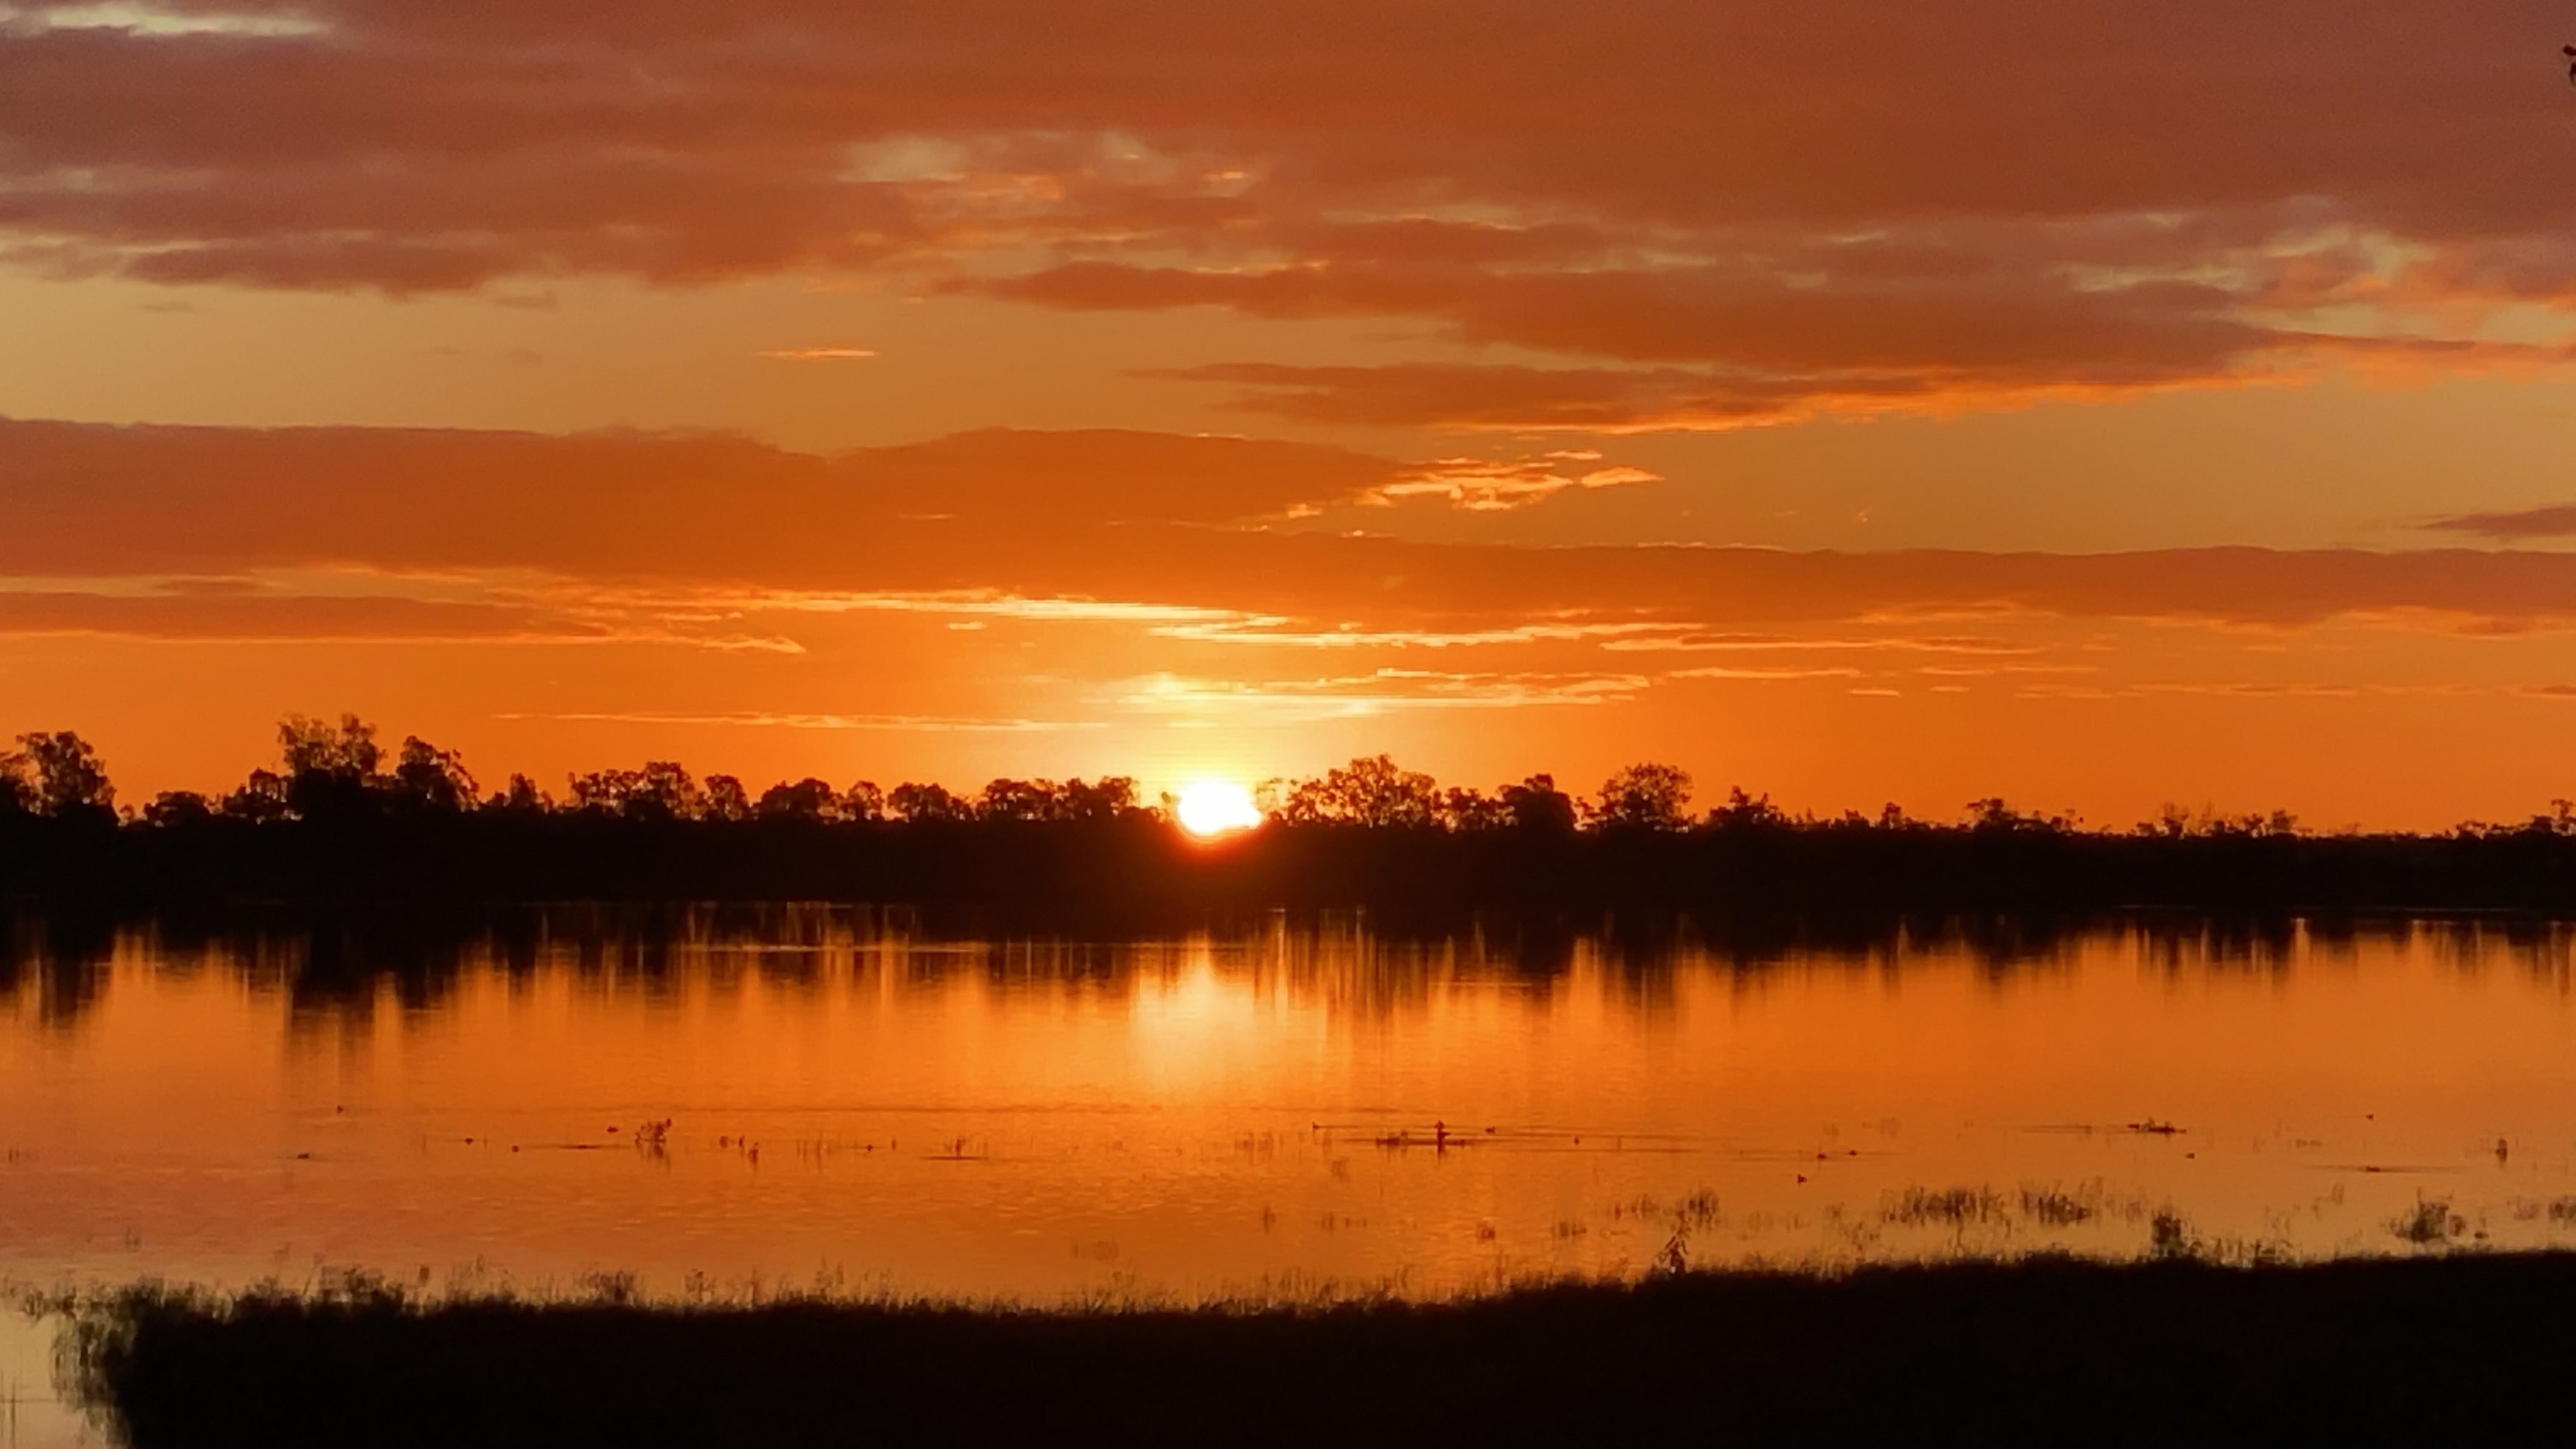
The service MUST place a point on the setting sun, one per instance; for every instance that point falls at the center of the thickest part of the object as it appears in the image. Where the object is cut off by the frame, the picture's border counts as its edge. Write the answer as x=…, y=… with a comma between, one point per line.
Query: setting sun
x=1213, y=807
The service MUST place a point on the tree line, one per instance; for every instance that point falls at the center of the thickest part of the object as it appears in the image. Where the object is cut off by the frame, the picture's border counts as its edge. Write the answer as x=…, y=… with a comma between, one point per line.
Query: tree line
x=341, y=817
x=339, y=770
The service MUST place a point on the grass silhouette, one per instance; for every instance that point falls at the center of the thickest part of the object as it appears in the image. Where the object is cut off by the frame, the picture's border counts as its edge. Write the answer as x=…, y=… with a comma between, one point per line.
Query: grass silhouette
x=2450, y=1348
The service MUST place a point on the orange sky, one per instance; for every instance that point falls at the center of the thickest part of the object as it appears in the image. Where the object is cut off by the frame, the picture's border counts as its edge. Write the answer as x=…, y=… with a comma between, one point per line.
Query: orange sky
x=2097, y=405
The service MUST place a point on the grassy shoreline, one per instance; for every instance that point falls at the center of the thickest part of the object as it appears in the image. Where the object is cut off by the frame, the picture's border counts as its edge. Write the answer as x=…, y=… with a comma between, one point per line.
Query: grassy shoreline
x=2459, y=1346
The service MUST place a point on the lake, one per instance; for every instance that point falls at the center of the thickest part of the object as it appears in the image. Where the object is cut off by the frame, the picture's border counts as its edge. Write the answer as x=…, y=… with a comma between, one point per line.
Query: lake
x=741, y=1100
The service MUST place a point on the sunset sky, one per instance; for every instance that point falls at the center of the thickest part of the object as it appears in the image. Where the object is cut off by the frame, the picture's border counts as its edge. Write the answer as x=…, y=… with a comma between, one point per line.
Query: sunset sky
x=2095, y=404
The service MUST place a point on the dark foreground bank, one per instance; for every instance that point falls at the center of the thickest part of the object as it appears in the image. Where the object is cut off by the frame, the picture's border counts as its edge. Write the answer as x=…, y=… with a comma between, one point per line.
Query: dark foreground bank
x=2448, y=1350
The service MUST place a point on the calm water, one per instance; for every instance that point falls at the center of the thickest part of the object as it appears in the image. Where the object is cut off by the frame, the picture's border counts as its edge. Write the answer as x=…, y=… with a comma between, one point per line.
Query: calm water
x=1273, y=1109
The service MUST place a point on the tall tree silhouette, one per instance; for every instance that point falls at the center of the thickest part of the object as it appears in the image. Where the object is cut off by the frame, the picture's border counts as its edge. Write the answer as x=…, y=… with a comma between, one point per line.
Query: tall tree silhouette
x=525, y=796
x=807, y=799
x=1536, y=804
x=726, y=799
x=1747, y=812
x=261, y=797
x=917, y=803
x=329, y=769
x=1644, y=797
x=1017, y=800
x=61, y=775
x=1373, y=791
x=1107, y=798
x=430, y=778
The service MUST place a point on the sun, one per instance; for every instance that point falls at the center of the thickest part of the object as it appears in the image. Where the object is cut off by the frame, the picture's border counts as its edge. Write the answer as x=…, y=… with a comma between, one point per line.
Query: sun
x=1213, y=807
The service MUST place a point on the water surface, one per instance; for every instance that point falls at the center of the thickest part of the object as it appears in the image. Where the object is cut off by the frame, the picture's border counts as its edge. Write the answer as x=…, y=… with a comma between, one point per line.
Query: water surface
x=1275, y=1108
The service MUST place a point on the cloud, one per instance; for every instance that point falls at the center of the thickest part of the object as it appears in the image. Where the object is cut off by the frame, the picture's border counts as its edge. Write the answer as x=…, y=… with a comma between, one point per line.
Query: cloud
x=721, y=537
x=2554, y=521
x=1983, y=671
x=1723, y=671
x=1276, y=631
x=820, y=354
x=1733, y=384
x=107, y=498
x=1697, y=642
x=1479, y=485
x=1379, y=692
x=975, y=604
x=196, y=617
x=1699, y=214
x=763, y=719
x=1468, y=396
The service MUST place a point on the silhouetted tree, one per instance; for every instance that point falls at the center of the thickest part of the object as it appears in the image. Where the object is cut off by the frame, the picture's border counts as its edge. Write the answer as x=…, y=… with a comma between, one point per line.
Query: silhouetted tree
x=1108, y=798
x=604, y=792
x=1370, y=791
x=662, y=790
x=1992, y=816
x=2172, y=822
x=174, y=808
x=927, y=802
x=665, y=791
x=863, y=801
x=62, y=775
x=328, y=770
x=1017, y=800
x=1747, y=812
x=429, y=778
x=261, y=797
x=807, y=799
x=1472, y=809
x=1644, y=797
x=1536, y=804
x=524, y=796
x=726, y=799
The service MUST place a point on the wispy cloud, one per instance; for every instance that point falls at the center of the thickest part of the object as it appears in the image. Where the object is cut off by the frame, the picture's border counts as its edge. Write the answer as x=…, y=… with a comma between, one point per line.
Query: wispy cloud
x=158, y=20
x=1480, y=485
x=820, y=354
x=1379, y=692
x=766, y=719
x=1274, y=630
x=261, y=618
x=969, y=603
x=2557, y=520
x=1721, y=671
x=1698, y=641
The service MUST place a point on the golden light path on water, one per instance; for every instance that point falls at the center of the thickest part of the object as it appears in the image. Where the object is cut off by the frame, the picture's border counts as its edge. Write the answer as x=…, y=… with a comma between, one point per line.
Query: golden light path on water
x=1270, y=1109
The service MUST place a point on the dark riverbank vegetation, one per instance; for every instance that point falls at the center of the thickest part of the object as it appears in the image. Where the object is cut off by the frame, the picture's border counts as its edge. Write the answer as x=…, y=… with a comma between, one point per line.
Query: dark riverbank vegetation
x=344, y=817
x=2175, y=1349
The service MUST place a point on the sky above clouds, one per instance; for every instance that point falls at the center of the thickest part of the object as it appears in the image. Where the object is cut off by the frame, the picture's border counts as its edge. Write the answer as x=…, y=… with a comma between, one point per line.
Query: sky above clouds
x=2096, y=404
